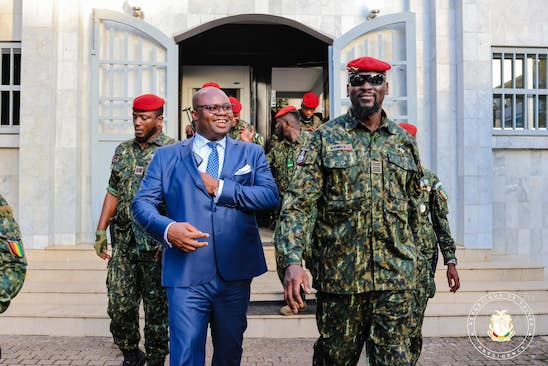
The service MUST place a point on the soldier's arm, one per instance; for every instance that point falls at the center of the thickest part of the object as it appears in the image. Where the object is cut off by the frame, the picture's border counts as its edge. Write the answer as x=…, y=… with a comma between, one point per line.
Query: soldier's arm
x=297, y=219
x=414, y=194
x=438, y=215
x=108, y=209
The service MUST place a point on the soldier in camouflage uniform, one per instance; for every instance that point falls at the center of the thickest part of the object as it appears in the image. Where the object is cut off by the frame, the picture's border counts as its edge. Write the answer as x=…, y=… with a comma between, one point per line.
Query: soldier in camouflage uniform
x=282, y=159
x=349, y=213
x=242, y=130
x=309, y=119
x=134, y=270
x=433, y=231
x=13, y=265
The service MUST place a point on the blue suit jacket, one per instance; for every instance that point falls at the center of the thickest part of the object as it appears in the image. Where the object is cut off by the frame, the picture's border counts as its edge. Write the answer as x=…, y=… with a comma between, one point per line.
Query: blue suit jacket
x=234, y=247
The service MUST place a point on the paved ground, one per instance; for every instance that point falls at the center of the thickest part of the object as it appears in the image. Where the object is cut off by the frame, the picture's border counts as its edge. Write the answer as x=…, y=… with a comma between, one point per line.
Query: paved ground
x=42, y=350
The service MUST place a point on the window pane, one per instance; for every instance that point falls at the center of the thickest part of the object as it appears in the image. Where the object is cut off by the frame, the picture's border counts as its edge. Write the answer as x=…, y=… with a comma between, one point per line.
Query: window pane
x=519, y=111
x=16, y=103
x=5, y=66
x=16, y=66
x=531, y=111
x=497, y=111
x=518, y=70
x=542, y=111
x=5, y=108
x=542, y=71
x=531, y=72
x=507, y=72
x=508, y=112
x=497, y=68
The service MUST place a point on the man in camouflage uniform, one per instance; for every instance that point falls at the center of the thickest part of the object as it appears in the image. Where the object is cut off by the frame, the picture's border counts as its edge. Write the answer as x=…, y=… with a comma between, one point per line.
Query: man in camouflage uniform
x=134, y=270
x=282, y=159
x=349, y=214
x=242, y=130
x=309, y=119
x=13, y=265
x=433, y=231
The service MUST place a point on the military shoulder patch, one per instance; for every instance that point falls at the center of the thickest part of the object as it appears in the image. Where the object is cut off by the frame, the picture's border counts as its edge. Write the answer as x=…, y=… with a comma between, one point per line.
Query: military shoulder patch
x=337, y=147
x=16, y=248
x=439, y=188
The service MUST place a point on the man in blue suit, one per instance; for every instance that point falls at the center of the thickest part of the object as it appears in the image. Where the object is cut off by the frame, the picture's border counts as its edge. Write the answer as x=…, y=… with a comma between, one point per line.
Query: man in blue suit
x=200, y=197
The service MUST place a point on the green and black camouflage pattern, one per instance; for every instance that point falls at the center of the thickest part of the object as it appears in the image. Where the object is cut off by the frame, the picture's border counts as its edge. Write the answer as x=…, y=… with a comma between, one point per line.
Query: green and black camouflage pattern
x=283, y=160
x=134, y=271
x=129, y=166
x=13, y=266
x=235, y=132
x=309, y=125
x=380, y=319
x=130, y=278
x=433, y=231
x=355, y=191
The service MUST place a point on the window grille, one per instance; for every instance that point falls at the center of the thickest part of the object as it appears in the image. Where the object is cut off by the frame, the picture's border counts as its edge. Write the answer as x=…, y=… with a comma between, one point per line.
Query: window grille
x=10, y=87
x=519, y=89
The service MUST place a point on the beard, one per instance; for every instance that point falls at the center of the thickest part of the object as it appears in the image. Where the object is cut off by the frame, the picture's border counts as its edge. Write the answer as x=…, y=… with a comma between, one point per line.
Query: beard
x=145, y=138
x=362, y=113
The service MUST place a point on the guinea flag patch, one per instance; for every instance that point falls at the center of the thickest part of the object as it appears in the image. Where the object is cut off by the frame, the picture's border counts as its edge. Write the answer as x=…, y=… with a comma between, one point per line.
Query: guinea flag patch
x=16, y=248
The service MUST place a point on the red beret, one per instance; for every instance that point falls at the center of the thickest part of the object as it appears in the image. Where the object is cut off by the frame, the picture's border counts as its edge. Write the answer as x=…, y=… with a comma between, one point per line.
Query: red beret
x=285, y=110
x=412, y=129
x=211, y=84
x=236, y=105
x=367, y=64
x=148, y=102
x=311, y=100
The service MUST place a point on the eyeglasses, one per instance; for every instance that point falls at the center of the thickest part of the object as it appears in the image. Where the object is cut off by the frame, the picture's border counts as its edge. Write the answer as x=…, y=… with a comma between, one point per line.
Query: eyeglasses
x=372, y=79
x=216, y=108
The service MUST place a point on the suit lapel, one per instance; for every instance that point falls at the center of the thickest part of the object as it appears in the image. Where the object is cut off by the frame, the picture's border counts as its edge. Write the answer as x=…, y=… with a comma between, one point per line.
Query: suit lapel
x=189, y=163
x=233, y=157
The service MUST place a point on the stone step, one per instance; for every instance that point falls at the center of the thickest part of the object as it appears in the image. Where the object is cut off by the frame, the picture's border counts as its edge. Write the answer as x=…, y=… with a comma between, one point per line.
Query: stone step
x=91, y=320
x=89, y=270
x=268, y=288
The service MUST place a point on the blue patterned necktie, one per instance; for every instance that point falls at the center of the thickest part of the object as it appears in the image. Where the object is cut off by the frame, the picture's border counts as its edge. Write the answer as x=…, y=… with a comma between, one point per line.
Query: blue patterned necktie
x=213, y=160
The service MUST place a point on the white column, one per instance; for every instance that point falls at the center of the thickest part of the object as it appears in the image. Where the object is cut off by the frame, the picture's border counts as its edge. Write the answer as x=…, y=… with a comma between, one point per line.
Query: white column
x=474, y=125
x=38, y=116
x=50, y=138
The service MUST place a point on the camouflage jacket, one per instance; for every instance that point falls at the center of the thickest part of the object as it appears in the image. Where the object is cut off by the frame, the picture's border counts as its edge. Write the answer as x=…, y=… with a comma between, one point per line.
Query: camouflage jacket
x=434, y=228
x=311, y=124
x=13, y=264
x=282, y=159
x=235, y=132
x=129, y=165
x=354, y=190
x=11, y=245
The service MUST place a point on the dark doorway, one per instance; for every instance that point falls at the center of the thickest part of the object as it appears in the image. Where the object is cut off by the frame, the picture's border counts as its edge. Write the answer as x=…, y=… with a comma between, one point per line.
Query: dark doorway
x=243, y=41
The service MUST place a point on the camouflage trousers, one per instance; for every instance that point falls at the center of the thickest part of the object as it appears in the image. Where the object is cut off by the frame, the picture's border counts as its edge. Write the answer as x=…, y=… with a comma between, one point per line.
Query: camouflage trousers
x=131, y=278
x=426, y=288
x=12, y=276
x=378, y=319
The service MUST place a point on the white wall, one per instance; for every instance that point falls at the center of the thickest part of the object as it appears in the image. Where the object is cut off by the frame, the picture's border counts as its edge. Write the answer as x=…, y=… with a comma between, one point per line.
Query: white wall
x=520, y=164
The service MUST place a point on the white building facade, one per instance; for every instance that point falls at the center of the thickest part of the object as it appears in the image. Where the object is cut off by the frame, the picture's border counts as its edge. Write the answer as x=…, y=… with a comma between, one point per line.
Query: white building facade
x=470, y=74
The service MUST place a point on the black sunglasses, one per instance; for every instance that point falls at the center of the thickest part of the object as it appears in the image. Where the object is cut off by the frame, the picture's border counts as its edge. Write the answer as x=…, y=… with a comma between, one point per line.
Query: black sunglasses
x=372, y=79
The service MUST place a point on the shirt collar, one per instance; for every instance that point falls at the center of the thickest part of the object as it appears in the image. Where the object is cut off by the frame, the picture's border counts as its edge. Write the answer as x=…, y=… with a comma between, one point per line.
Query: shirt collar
x=200, y=141
x=386, y=124
x=155, y=139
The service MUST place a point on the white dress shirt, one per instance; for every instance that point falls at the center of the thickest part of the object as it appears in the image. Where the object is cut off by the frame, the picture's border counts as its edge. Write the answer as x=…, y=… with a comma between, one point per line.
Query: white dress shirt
x=201, y=152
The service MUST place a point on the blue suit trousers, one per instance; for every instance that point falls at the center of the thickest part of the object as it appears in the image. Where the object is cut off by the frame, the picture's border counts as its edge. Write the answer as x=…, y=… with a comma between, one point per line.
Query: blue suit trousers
x=219, y=303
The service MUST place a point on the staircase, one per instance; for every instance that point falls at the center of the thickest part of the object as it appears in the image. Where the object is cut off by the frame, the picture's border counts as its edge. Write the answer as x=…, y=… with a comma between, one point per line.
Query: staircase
x=65, y=295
